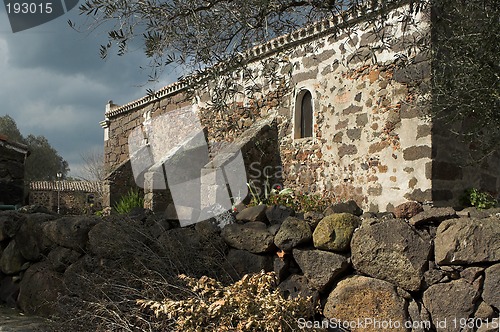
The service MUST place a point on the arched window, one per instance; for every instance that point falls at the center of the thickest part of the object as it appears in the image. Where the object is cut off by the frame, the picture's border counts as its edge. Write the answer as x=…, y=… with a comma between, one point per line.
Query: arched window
x=303, y=115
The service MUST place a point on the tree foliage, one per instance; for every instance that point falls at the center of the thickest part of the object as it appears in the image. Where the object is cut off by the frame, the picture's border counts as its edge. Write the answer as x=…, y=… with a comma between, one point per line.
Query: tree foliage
x=43, y=162
x=197, y=33
x=8, y=127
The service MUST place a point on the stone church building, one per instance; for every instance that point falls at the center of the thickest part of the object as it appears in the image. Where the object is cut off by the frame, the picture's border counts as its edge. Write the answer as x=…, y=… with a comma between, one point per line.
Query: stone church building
x=337, y=109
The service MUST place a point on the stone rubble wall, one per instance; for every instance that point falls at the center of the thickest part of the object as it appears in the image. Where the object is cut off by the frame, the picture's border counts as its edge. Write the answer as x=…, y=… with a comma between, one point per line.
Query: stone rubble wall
x=11, y=176
x=70, y=202
x=433, y=269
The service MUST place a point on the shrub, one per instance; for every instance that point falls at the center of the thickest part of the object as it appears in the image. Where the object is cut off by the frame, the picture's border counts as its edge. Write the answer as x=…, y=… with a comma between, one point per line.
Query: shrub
x=131, y=200
x=479, y=199
x=251, y=304
x=303, y=202
x=104, y=291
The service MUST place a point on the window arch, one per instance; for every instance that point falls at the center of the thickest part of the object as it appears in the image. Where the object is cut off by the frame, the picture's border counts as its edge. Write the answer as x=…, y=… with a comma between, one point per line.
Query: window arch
x=303, y=115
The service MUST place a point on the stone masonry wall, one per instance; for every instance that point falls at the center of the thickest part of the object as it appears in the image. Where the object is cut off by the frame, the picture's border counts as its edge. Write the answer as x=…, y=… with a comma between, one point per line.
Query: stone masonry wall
x=11, y=176
x=69, y=202
x=370, y=141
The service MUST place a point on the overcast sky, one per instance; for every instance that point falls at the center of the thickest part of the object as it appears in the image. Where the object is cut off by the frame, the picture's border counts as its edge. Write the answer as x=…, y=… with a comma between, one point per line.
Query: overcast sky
x=53, y=83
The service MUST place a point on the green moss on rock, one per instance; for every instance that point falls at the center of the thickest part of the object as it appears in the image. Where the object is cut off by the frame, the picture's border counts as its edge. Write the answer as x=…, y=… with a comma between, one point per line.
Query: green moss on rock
x=334, y=232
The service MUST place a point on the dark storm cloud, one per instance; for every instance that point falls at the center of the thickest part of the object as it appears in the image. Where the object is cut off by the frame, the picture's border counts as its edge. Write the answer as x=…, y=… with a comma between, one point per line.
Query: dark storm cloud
x=54, y=84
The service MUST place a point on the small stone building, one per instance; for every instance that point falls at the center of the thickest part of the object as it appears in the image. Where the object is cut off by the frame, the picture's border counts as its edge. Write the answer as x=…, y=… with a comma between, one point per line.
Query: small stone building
x=12, y=158
x=344, y=107
x=72, y=197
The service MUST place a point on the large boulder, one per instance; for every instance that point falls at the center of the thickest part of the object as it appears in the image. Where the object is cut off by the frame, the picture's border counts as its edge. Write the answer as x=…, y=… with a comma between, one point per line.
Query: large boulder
x=407, y=210
x=60, y=258
x=40, y=289
x=9, y=291
x=80, y=277
x=278, y=213
x=349, y=206
x=391, y=250
x=433, y=215
x=10, y=221
x=12, y=260
x=450, y=302
x=468, y=241
x=252, y=237
x=114, y=239
x=363, y=299
x=320, y=267
x=297, y=285
x=293, y=231
x=31, y=240
x=70, y=232
x=242, y=262
x=253, y=213
x=491, y=288
x=334, y=232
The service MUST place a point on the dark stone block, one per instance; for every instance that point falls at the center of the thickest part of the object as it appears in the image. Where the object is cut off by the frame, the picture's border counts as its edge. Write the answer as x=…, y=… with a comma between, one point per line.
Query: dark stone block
x=344, y=207
x=352, y=109
x=326, y=55
x=419, y=195
x=354, y=134
x=423, y=131
x=361, y=55
x=358, y=97
x=409, y=111
x=442, y=195
x=369, y=37
x=244, y=262
x=413, y=74
x=488, y=183
x=446, y=171
x=306, y=76
x=347, y=150
x=417, y=152
x=362, y=120
x=337, y=138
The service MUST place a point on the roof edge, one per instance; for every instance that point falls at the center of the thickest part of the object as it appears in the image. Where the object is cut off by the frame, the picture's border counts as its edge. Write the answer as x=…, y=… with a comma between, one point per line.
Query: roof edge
x=18, y=147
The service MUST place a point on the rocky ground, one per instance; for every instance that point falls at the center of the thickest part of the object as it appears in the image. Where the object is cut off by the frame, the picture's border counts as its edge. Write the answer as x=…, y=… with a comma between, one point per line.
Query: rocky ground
x=13, y=320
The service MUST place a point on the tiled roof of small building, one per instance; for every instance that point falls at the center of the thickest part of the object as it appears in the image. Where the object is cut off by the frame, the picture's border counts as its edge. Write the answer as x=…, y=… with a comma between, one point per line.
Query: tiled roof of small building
x=80, y=186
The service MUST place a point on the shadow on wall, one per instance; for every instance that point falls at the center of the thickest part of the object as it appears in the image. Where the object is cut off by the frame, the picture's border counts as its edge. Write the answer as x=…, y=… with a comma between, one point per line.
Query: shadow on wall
x=257, y=148
x=465, y=132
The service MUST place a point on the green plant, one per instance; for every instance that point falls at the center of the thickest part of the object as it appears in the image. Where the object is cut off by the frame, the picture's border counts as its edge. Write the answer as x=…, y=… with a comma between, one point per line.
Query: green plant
x=131, y=200
x=304, y=202
x=257, y=197
x=479, y=199
x=251, y=304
